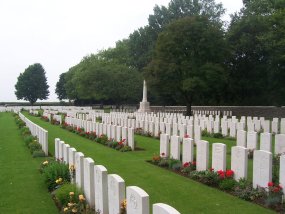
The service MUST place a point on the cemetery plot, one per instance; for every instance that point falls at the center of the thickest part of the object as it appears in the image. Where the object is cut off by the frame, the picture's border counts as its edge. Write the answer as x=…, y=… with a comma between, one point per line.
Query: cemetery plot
x=133, y=168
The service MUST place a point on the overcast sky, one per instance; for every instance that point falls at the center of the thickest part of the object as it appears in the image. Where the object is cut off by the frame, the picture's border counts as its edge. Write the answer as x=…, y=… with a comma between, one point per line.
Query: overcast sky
x=59, y=33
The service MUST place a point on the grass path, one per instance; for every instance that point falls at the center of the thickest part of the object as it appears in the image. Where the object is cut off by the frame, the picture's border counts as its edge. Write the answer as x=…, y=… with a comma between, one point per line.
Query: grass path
x=22, y=189
x=185, y=195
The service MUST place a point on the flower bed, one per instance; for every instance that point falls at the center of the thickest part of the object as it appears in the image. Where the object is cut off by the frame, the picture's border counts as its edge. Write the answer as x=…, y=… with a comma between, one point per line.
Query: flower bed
x=271, y=197
x=102, y=139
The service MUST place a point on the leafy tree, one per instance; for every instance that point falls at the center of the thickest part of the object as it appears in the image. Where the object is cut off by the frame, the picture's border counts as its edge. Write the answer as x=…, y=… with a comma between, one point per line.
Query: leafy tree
x=188, y=61
x=143, y=40
x=100, y=78
x=32, y=84
x=256, y=36
x=60, y=88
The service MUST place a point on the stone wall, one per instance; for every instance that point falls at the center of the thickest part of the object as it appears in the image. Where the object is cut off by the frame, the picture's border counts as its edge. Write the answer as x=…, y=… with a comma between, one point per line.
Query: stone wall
x=255, y=111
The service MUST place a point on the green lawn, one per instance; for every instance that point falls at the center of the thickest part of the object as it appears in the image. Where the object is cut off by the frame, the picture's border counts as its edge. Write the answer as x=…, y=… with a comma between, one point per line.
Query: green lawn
x=21, y=185
x=186, y=195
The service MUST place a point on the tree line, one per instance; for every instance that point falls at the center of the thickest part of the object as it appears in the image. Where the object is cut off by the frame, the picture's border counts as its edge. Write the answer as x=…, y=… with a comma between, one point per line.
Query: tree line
x=188, y=55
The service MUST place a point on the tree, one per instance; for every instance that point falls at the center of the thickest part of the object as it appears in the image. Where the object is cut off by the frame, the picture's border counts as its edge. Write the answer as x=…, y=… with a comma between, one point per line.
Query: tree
x=143, y=40
x=256, y=63
x=32, y=84
x=60, y=88
x=188, y=61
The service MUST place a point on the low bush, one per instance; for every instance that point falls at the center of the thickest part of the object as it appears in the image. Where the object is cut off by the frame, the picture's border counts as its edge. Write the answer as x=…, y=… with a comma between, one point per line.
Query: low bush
x=39, y=153
x=66, y=192
x=55, y=174
x=34, y=146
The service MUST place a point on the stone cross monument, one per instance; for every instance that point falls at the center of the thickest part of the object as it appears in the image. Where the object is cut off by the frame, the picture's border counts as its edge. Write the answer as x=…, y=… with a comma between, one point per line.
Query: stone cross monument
x=144, y=104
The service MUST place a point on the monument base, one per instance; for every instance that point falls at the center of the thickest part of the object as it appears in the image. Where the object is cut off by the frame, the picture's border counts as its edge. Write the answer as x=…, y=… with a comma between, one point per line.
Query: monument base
x=144, y=107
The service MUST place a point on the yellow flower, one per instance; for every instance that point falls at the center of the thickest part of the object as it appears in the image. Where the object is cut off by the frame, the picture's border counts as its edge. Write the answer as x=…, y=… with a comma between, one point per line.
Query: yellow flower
x=124, y=204
x=70, y=204
x=60, y=179
x=71, y=193
x=65, y=209
x=74, y=210
x=45, y=163
x=57, y=181
x=81, y=198
x=72, y=167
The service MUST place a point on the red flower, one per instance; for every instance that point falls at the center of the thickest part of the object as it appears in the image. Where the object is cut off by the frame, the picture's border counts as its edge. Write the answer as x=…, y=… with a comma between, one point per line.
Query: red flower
x=211, y=169
x=221, y=174
x=194, y=163
x=123, y=140
x=270, y=184
x=276, y=189
x=186, y=136
x=186, y=164
x=229, y=173
x=162, y=154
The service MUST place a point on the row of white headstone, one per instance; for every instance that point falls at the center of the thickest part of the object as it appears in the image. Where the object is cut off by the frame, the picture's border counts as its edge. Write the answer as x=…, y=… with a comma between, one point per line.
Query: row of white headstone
x=117, y=133
x=57, y=117
x=250, y=140
x=38, y=132
x=103, y=191
x=262, y=160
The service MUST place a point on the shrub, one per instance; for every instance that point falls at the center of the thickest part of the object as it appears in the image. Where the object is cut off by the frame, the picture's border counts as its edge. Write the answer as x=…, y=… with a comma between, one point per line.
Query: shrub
x=227, y=184
x=218, y=135
x=28, y=139
x=65, y=192
x=163, y=163
x=55, y=174
x=174, y=164
x=102, y=139
x=207, y=177
x=125, y=149
x=25, y=131
x=34, y=146
x=39, y=153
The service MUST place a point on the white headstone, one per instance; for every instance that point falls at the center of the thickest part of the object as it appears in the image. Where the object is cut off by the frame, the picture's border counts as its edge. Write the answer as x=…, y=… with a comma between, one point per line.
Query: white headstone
x=197, y=135
x=175, y=147
x=137, y=201
x=188, y=150
x=161, y=208
x=89, y=181
x=219, y=156
x=241, y=138
x=252, y=140
x=131, y=138
x=266, y=126
x=79, y=168
x=56, y=148
x=239, y=162
x=233, y=129
x=190, y=131
x=116, y=193
x=101, y=188
x=202, y=155
x=164, y=145
x=118, y=133
x=262, y=168
x=282, y=127
x=266, y=141
x=224, y=128
x=279, y=143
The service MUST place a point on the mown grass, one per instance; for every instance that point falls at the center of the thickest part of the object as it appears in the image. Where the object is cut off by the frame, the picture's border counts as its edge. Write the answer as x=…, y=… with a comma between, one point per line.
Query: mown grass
x=21, y=185
x=186, y=195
